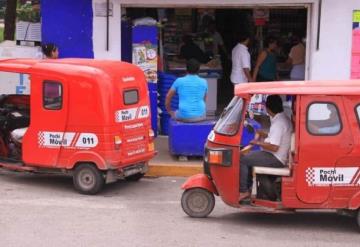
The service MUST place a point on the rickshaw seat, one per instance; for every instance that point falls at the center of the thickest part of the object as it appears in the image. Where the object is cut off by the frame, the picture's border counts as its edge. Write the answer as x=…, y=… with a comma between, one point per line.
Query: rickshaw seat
x=283, y=172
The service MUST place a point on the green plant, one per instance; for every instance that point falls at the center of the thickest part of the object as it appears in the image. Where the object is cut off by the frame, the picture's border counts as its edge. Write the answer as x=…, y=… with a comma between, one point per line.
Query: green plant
x=27, y=13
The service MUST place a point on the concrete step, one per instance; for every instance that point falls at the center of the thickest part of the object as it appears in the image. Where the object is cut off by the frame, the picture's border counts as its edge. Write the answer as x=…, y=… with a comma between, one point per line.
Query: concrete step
x=164, y=164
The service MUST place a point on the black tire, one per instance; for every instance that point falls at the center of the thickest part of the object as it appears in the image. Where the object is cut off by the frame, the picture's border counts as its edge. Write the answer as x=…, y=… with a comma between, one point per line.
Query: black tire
x=88, y=179
x=197, y=203
x=358, y=218
x=136, y=177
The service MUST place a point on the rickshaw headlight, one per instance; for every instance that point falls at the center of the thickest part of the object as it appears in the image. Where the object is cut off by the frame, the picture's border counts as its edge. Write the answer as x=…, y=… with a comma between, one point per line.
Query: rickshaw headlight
x=219, y=157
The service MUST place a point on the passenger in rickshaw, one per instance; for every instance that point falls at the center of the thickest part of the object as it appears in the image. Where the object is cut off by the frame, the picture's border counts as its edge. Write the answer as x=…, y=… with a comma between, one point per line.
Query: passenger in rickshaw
x=275, y=145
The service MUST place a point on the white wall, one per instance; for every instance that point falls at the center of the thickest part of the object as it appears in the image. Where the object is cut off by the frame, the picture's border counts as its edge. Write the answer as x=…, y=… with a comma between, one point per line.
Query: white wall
x=331, y=61
x=99, y=33
x=14, y=83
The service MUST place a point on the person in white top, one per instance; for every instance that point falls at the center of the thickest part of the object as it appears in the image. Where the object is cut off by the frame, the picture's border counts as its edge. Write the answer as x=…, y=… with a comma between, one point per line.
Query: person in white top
x=241, y=62
x=275, y=147
x=217, y=41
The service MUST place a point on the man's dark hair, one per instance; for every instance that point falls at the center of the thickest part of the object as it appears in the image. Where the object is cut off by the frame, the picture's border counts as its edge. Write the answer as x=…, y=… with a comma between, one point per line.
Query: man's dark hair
x=274, y=103
x=243, y=36
x=47, y=49
x=296, y=38
x=269, y=40
x=192, y=66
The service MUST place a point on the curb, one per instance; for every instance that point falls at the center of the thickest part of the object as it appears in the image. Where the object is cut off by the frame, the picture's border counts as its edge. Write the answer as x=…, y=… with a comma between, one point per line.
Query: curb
x=163, y=170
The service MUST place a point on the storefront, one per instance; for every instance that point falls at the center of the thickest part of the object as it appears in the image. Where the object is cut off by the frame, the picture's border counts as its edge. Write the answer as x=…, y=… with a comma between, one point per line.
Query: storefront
x=328, y=34
x=84, y=29
x=209, y=35
x=94, y=29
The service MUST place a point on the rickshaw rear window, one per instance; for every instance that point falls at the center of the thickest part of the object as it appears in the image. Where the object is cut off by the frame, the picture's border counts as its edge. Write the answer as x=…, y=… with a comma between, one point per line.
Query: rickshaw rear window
x=323, y=119
x=131, y=97
x=52, y=95
x=229, y=121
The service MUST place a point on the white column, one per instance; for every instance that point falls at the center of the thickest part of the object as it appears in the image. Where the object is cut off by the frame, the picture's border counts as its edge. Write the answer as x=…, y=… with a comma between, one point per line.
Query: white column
x=99, y=32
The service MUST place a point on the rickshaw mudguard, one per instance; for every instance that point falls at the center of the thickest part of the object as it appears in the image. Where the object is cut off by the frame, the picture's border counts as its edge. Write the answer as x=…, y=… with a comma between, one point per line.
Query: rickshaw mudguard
x=200, y=181
x=87, y=156
x=355, y=201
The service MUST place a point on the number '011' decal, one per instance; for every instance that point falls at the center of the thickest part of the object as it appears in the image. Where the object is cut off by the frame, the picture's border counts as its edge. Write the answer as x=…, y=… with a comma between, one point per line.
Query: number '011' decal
x=87, y=140
x=47, y=139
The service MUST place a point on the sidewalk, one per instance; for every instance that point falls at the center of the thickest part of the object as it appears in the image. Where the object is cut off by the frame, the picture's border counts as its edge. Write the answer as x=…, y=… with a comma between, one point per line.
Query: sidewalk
x=164, y=164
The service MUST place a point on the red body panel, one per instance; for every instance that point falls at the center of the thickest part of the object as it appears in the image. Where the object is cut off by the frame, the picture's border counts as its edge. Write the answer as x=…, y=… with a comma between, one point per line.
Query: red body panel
x=200, y=181
x=93, y=112
x=325, y=169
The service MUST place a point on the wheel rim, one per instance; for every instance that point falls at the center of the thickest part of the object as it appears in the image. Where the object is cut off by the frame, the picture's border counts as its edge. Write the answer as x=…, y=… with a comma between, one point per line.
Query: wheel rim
x=86, y=179
x=198, y=202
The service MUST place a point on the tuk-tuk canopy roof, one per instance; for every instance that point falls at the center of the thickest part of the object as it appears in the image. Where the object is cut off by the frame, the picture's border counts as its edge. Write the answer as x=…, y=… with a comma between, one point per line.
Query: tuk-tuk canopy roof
x=67, y=66
x=340, y=87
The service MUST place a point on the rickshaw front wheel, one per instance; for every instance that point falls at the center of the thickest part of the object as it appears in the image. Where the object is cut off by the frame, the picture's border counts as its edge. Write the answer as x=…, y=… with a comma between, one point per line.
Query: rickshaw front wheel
x=88, y=179
x=197, y=202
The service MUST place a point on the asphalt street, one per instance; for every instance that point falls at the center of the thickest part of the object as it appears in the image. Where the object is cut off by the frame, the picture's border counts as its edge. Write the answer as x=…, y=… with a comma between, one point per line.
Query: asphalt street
x=46, y=211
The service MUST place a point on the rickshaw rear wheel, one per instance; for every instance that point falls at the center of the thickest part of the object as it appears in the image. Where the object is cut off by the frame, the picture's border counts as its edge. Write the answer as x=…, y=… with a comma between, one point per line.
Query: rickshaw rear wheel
x=136, y=177
x=358, y=217
x=88, y=179
x=197, y=202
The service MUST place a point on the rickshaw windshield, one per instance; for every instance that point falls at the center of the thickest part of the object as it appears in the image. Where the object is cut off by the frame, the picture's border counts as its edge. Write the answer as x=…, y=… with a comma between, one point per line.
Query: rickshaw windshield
x=229, y=121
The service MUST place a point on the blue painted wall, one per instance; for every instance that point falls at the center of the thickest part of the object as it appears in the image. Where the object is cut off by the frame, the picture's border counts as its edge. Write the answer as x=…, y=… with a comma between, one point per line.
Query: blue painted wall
x=69, y=25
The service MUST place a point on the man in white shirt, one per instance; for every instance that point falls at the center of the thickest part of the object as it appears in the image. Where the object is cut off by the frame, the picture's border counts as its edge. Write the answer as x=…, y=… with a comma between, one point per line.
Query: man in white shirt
x=275, y=147
x=241, y=62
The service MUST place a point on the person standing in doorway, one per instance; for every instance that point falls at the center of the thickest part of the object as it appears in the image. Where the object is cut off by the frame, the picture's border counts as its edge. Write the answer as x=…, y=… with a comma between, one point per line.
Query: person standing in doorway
x=50, y=51
x=297, y=59
x=265, y=68
x=189, y=50
x=241, y=61
x=217, y=42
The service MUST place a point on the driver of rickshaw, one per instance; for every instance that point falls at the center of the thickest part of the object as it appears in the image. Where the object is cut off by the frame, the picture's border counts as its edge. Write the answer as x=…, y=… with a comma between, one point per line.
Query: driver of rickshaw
x=274, y=145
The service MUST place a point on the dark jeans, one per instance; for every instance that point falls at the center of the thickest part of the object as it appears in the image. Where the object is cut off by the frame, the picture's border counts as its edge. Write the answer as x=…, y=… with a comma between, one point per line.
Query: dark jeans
x=256, y=158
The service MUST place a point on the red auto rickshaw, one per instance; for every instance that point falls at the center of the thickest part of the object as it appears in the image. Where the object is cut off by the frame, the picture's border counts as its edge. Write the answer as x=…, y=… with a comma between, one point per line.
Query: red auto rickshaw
x=85, y=118
x=324, y=167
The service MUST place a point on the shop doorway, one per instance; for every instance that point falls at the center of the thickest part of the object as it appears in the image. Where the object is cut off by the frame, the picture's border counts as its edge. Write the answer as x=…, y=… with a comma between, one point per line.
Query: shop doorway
x=283, y=23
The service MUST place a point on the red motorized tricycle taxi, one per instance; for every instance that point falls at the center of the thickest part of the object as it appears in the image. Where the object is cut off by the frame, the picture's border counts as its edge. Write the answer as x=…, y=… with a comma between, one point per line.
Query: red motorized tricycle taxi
x=86, y=118
x=323, y=169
